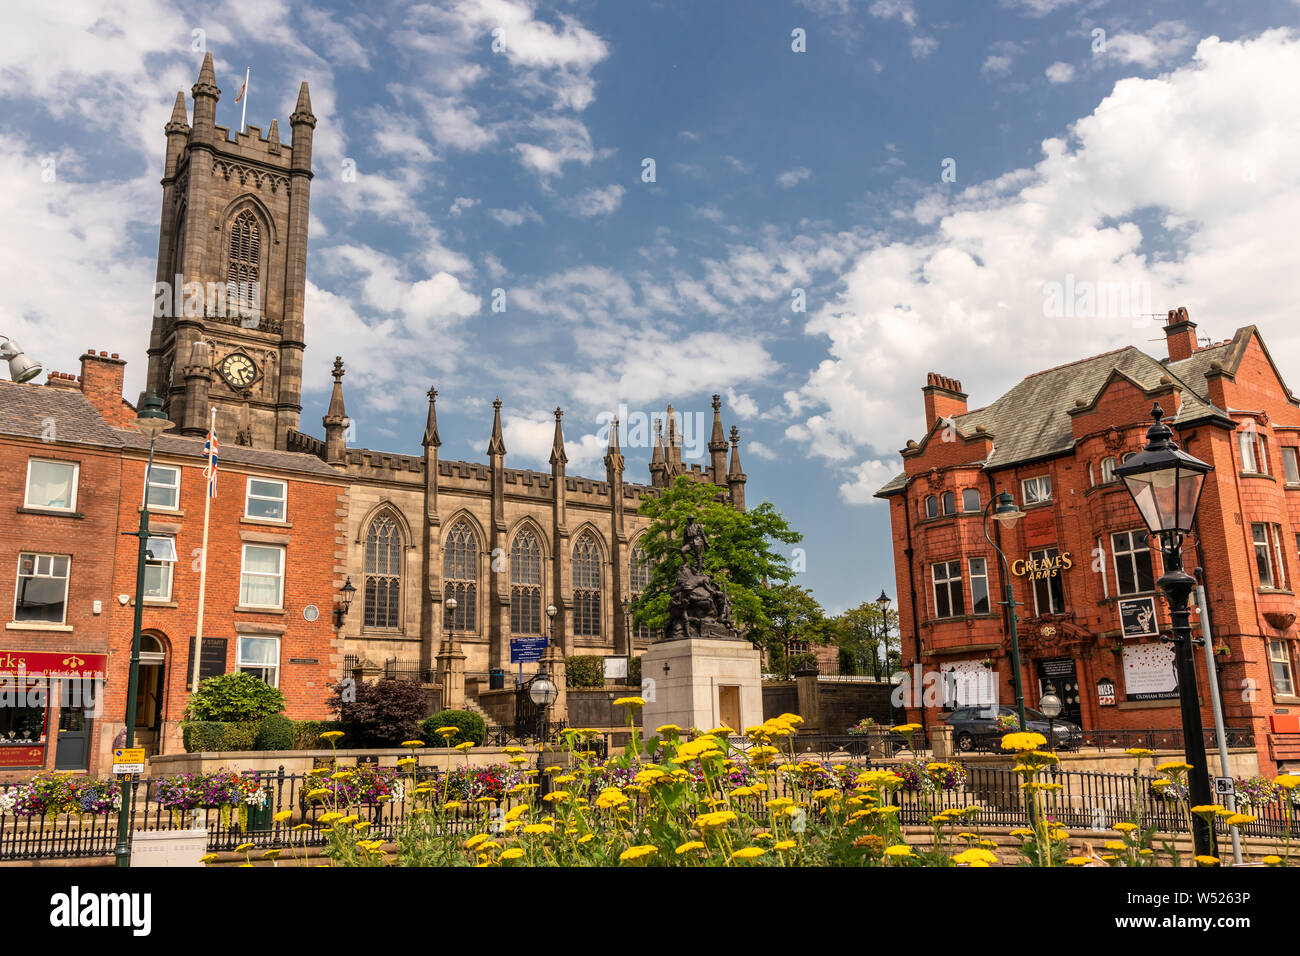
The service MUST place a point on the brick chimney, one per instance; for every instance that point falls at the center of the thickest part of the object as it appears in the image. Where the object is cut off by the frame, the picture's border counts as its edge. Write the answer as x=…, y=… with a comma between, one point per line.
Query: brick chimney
x=101, y=382
x=1180, y=334
x=943, y=398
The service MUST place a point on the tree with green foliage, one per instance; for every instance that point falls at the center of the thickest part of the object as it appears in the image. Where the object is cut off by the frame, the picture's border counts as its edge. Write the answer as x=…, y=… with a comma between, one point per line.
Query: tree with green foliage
x=797, y=622
x=860, y=635
x=740, y=555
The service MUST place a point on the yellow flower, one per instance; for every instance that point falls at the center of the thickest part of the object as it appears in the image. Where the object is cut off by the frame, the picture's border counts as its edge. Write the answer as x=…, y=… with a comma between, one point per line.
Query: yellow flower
x=513, y=853
x=467, y=745
x=1116, y=845
x=331, y=735
x=1125, y=827
x=1139, y=752
x=587, y=838
x=212, y=857
x=633, y=702
x=669, y=730
x=610, y=798
x=513, y=750
x=317, y=793
x=1173, y=766
x=475, y=840
x=689, y=846
x=412, y=743
x=1271, y=860
x=975, y=855
x=1079, y=861
x=1208, y=810
x=906, y=728
x=717, y=818
x=748, y=853
x=330, y=817
x=636, y=852
x=785, y=845
x=1239, y=819
x=408, y=762
x=446, y=733
x=534, y=828
x=1287, y=781
x=271, y=854
x=722, y=731
x=1022, y=742
x=243, y=847
x=779, y=803
x=342, y=775
x=303, y=826
x=898, y=850
x=1202, y=860
x=283, y=815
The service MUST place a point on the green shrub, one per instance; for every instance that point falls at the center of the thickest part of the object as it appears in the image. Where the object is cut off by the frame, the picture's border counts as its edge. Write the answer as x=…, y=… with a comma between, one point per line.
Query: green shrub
x=234, y=698
x=379, y=714
x=306, y=734
x=274, y=733
x=470, y=724
x=584, y=671
x=200, y=736
x=634, y=672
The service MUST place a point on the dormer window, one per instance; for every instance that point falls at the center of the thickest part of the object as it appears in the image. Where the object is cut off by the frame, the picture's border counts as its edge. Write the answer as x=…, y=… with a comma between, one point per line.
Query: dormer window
x=1036, y=491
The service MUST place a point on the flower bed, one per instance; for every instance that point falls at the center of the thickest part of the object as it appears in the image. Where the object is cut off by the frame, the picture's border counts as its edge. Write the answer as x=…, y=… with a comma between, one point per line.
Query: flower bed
x=223, y=790
x=50, y=794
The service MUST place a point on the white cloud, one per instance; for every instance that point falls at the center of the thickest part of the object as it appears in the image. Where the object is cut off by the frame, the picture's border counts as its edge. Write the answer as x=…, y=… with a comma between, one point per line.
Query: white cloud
x=598, y=201
x=758, y=449
x=511, y=218
x=1221, y=178
x=742, y=406
x=793, y=177
x=460, y=204
x=1060, y=72
x=1163, y=43
x=865, y=480
x=894, y=10
x=923, y=46
x=995, y=64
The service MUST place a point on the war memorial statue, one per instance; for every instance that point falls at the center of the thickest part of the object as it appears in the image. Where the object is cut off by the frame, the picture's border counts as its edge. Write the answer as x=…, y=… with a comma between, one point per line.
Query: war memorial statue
x=697, y=606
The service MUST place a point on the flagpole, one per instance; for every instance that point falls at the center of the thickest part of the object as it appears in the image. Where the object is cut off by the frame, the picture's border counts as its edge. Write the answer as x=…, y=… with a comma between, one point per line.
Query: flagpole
x=203, y=556
x=243, y=128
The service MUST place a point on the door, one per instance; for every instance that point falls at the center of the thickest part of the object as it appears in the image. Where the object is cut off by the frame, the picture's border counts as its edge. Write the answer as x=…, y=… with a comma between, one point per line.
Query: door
x=1057, y=676
x=729, y=706
x=72, y=747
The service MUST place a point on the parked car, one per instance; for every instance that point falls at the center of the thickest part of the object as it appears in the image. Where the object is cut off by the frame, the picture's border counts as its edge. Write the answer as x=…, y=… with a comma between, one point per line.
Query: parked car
x=976, y=728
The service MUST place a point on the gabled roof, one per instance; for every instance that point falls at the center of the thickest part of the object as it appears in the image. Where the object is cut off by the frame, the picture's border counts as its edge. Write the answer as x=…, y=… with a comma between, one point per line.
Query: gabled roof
x=44, y=412
x=1033, y=420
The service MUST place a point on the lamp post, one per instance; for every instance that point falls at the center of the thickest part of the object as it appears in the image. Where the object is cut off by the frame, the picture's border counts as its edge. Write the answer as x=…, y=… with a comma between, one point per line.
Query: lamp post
x=347, y=593
x=1051, y=707
x=543, y=692
x=1007, y=514
x=882, y=603
x=152, y=422
x=1166, y=483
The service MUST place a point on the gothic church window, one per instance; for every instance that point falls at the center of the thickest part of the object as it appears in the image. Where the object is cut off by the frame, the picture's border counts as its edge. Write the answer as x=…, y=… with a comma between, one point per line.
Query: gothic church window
x=639, y=579
x=383, y=590
x=526, y=584
x=242, y=266
x=460, y=575
x=586, y=587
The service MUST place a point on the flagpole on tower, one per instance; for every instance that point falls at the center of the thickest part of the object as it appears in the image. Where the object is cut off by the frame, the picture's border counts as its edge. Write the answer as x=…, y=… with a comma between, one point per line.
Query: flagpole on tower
x=243, y=95
x=210, y=492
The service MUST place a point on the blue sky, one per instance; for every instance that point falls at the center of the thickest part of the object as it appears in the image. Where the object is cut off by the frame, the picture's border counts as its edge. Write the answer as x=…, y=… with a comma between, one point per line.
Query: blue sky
x=1148, y=145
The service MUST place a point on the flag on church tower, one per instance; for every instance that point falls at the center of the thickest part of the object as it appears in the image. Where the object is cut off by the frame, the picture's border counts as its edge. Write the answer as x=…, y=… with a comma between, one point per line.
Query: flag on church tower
x=243, y=116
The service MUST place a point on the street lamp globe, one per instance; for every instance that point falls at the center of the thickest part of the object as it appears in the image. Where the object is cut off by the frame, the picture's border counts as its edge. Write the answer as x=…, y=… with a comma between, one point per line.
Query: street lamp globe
x=1005, y=511
x=1050, y=705
x=450, y=604
x=551, y=610
x=1164, y=480
x=542, y=690
x=883, y=601
x=151, y=419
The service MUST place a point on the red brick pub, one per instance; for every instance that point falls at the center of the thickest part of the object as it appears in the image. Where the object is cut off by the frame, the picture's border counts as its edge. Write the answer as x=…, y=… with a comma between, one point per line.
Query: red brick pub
x=1082, y=569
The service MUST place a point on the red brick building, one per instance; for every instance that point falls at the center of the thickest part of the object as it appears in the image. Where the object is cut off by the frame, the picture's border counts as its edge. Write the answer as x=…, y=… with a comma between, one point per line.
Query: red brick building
x=74, y=469
x=1080, y=559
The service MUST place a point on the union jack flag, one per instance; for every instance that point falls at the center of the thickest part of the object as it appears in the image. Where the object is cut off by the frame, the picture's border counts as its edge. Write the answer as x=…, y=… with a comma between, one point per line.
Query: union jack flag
x=210, y=470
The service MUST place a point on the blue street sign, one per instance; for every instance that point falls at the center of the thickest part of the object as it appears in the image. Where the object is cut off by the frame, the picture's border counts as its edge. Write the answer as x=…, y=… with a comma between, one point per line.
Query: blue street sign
x=526, y=650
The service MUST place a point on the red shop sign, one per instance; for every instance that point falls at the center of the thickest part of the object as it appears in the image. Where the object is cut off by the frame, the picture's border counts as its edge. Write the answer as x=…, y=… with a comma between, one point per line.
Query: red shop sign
x=22, y=756
x=56, y=664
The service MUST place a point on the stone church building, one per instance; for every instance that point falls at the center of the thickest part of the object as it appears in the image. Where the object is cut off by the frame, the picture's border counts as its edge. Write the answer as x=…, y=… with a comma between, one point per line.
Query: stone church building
x=506, y=543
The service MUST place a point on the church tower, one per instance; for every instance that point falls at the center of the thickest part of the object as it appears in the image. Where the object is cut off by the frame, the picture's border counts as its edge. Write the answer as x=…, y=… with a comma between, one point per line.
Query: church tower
x=232, y=264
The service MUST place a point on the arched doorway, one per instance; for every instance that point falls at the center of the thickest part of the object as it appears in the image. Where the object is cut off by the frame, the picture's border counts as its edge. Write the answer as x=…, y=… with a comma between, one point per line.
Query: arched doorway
x=149, y=693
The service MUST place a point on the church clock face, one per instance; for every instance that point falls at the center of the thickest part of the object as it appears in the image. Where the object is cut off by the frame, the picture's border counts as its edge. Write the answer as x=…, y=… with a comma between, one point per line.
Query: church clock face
x=238, y=370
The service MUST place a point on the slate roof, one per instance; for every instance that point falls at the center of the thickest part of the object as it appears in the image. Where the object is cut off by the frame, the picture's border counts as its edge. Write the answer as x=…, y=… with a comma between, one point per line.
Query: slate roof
x=26, y=411
x=1032, y=420
x=230, y=453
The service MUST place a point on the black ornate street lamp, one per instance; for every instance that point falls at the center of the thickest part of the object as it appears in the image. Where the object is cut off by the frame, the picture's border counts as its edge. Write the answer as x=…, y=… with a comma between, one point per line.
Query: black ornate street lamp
x=1007, y=514
x=543, y=692
x=1166, y=483
x=151, y=421
x=882, y=604
x=346, y=594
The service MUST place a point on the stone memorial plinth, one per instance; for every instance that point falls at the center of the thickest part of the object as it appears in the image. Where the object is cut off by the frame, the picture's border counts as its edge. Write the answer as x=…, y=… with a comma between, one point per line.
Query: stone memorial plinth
x=702, y=683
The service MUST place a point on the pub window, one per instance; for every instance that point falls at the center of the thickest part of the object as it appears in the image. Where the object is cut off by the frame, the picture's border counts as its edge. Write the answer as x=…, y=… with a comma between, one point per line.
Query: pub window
x=1049, y=591
x=526, y=584
x=1037, y=490
x=42, y=592
x=158, y=568
x=949, y=503
x=1132, y=554
x=931, y=506
x=460, y=575
x=947, y=589
x=1108, y=466
x=164, y=490
x=266, y=499
x=260, y=656
x=1291, y=465
x=1279, y=658
x=586, y=587
x=1254, y=450
x=639, y=580
x=979, y=586
x=970, y=500
x=1268, y=555
x=51, y=485
x=261, y=579
x=383, y=586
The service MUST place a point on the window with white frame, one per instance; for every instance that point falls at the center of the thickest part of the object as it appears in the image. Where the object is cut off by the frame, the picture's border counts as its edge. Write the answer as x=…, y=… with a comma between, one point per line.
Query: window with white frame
x=1254, y=450
x=979, y=585
x=1291, y=464
x=1279, y=658
x=1035, y=491
x=1108, y=466
x=1131, y=552
x=51, y=485
x=1049, y=592
x=947, y=589
x=1268, y=555
x=260, y=656
x=970, y=500
x=949, y=503
x=932, y=506
x=261, y=579
x=158, y=568
x=42, y=591
x=266, y=499
x=164, y=488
